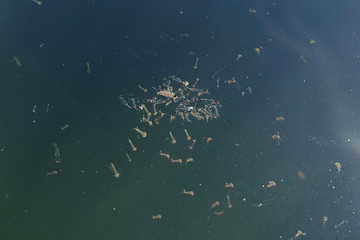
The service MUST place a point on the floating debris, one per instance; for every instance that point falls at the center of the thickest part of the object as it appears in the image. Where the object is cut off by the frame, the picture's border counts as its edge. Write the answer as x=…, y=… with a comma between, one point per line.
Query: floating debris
x=166, y=93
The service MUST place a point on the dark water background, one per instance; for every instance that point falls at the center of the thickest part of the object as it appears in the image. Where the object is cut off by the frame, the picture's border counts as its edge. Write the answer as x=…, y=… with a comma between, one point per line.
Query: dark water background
x=319, y=101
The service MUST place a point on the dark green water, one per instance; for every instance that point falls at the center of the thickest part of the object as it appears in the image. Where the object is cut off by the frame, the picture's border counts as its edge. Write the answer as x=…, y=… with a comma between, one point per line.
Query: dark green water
x=128, y=43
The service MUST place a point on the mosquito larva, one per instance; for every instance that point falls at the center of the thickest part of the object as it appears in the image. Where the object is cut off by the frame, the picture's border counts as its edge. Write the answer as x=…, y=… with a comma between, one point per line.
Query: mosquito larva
x=142, y=133
x=191, y=146
x=187, y=135
x=132, y=145
x=148, y=113
x=172, y=138
x=113, y=169
x=176, y=160
x=191, y=193
x=165, y=155
x=228, y=201
x=196, y=63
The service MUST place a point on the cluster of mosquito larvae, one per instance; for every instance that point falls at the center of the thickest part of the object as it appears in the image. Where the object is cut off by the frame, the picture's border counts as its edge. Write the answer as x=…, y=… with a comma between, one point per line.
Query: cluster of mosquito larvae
x=172, y=138
x=113, y=169
x=132, y=145
x=184, y=110
x=191, y=193
x=180, y=160
x=167, y=155
x=186, y=98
